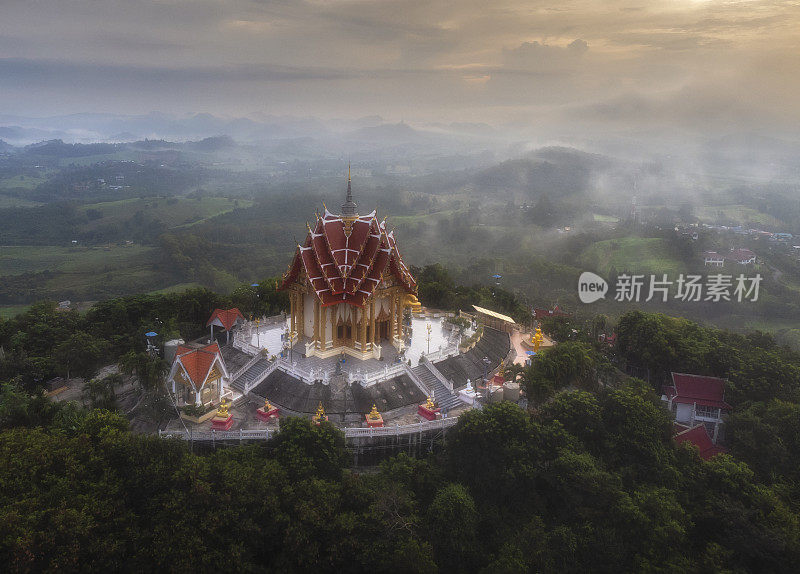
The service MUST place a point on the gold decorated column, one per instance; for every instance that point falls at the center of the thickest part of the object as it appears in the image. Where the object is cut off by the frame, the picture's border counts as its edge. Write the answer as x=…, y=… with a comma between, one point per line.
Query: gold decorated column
x=301, y=315
x=391, y=316
x=363, y=329
x=333, y=322
x=323, y=326
x=398, y=327
x=316, y=323
x=292, y=310
x=372, y=321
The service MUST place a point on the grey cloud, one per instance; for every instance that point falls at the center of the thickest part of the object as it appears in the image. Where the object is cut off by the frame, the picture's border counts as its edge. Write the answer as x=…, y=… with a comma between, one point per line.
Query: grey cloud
x=427, y=59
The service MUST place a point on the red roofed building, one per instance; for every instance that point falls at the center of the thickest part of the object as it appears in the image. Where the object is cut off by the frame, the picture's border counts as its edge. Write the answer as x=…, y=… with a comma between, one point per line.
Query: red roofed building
x=198, y=374
x=694, y=399
x=225, y=319
x=698, y=436
x=348, y=285
x=556, y=311
x=741, y=256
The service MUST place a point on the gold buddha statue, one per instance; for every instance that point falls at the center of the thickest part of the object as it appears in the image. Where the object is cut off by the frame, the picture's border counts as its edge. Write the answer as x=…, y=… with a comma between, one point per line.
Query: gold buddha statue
x=222, y=411
x=537, y=339
x=267, y=406
x=374, y=415
x=320, y=413
x=430, y=405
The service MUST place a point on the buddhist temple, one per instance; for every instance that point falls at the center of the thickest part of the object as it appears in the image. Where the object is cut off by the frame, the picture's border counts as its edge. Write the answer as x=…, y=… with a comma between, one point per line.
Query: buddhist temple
x=348, y=286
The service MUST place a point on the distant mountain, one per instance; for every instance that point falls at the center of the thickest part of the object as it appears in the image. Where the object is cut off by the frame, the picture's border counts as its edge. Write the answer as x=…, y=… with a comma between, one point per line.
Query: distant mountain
x=124, y=137
x=217, y=143
x=396, y=133
x=6, y=147
x=57, y=148
x=553, y=171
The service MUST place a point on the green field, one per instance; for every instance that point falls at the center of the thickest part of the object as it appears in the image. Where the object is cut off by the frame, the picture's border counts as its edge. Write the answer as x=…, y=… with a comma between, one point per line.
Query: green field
x=722, y=214
x=82, y=273
x=10, y=201
x=634, y=254
x=18, y=259
x=174, y=212
x=21, y=181
x=9, y=311
x=179, y=288
x=604, y=218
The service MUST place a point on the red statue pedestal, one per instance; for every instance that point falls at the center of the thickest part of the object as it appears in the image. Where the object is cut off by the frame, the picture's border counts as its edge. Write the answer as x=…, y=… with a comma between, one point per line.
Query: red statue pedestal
x=374, y=423
x=222, y=423
x=266, y=416
x=428, y=413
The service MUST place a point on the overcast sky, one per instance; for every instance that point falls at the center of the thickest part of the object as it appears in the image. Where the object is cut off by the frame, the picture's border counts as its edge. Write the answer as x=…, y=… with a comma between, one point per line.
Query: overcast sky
x=605, y=63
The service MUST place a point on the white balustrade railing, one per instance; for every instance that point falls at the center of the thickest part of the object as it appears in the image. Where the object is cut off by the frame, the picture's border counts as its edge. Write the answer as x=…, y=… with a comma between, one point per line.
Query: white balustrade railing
x=293, y=369
x=244, y=346
x=241, y=434
x=388, y=372
x=399, y=430
x=266, y=434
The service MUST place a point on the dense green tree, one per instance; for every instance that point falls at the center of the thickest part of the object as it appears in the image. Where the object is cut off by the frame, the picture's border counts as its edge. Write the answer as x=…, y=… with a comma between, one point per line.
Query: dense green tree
x=79, y=354
x=101, y=393
x=452, y=523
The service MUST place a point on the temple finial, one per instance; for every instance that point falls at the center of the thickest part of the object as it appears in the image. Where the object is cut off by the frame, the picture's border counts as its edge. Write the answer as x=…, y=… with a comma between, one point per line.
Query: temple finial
x=349, y=206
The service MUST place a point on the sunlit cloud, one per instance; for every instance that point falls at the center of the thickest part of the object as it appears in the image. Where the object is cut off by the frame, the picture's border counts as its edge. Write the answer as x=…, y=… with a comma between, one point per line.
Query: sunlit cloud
x=420, y=59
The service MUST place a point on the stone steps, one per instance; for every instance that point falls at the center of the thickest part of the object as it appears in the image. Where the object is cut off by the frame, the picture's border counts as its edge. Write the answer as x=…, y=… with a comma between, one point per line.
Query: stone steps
x=441, y=394
x=250, y=375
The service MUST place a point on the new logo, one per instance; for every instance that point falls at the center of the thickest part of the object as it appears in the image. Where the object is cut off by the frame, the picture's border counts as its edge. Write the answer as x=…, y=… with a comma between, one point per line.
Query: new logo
x=591, y=287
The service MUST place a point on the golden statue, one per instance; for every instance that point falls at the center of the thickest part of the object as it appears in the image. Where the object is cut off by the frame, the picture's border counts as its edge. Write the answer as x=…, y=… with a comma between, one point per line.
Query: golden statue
x=413, y=302
x=222, y=411
x=537, y=339
x=374, y=415
x=267, y=406
x=430, y=405
x=320, y=414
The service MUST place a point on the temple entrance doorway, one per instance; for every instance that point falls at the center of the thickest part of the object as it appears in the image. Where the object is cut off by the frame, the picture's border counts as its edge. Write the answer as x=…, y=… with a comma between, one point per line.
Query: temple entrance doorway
x=383, y=329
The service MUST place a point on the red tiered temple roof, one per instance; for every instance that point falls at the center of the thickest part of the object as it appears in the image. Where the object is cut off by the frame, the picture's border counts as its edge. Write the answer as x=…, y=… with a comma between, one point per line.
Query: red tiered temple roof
x=344, y=259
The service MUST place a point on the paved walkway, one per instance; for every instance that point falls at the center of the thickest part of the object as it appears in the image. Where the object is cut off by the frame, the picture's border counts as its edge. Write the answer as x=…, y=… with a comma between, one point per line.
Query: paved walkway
x=522, y=351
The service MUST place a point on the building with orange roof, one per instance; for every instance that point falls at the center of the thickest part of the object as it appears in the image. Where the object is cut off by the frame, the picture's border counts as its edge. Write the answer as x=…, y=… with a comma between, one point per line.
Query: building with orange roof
x=198, y=375
x=225, y=319
x=348, y=285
